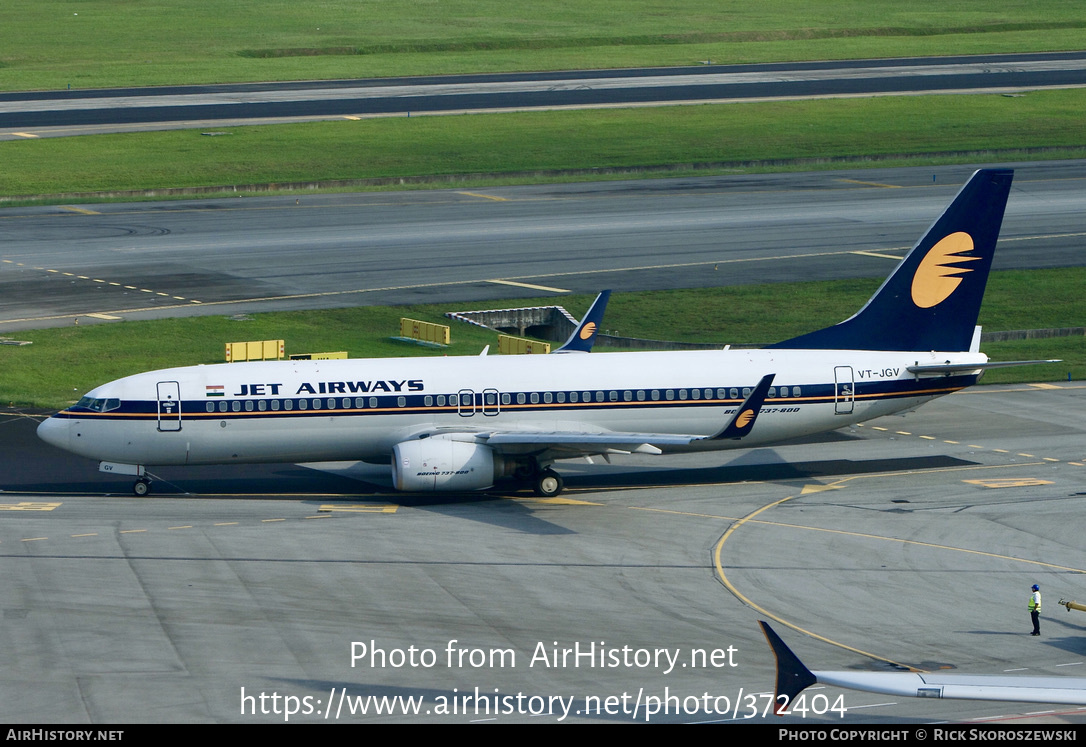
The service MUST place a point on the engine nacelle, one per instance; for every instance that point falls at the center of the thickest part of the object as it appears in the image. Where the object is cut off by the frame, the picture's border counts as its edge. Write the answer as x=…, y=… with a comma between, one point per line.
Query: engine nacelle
x=434, y=464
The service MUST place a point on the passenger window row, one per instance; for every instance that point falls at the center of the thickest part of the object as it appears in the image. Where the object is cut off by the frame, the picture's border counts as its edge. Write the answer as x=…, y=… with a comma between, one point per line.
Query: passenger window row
x=319, y=403
x=465, y=399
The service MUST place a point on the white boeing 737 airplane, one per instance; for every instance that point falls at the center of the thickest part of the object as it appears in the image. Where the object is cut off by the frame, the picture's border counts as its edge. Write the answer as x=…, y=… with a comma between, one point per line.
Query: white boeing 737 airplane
x=461, y=423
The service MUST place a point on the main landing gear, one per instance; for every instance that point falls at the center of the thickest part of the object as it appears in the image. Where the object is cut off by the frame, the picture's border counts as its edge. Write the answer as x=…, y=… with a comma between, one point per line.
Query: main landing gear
x=543, y=480
x=141, y=487
x=528, y=471
x=548, y=483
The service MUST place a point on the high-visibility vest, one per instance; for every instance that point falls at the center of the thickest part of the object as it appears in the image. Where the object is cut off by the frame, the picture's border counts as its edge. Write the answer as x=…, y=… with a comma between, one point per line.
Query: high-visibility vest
x=1035, y=602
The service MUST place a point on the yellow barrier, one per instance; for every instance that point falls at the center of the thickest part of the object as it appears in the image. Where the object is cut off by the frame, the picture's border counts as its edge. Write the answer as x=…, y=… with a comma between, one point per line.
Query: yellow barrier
x=258, y=350
x=508, y=345
x=424, y=331
x=340, y=355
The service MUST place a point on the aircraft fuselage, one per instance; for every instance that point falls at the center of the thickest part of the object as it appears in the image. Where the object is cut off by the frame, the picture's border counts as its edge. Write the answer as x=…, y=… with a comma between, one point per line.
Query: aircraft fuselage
x=291, y=411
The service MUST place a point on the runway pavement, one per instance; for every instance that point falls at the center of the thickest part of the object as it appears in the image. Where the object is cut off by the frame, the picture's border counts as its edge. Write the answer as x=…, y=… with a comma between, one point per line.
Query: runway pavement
x=58, y=113
x=147, y=260
x=912, y=540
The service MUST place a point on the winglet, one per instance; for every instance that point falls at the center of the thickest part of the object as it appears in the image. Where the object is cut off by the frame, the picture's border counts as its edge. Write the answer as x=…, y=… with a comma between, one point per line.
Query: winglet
x=792, y=676
x=743, y=421
x=584, y=336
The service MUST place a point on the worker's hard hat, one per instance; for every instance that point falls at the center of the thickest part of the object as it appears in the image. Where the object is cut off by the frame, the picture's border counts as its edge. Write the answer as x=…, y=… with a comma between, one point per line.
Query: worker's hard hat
x=1036, y=587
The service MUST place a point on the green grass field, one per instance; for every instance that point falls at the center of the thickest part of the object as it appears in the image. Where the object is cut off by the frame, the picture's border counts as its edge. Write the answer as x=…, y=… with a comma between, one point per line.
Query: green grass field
x=100, y=43
x=62, y=364
x=105, y=43
x=50, y=44
x=508, y=146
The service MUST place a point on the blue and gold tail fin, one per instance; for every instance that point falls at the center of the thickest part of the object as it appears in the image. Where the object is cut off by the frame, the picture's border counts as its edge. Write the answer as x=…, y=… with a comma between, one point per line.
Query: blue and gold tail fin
x=584, y=336
x=931, y=301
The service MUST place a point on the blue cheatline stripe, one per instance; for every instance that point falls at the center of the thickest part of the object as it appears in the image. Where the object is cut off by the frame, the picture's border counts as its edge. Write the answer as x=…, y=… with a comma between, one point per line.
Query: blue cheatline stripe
x=415, y=403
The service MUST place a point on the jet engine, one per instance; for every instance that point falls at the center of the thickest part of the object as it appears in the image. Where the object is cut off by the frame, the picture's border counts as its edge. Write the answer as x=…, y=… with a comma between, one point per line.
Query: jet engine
x=438, y=464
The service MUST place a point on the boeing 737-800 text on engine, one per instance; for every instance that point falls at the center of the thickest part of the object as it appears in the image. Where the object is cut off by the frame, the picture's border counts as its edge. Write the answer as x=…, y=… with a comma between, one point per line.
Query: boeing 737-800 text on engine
x=461, y=423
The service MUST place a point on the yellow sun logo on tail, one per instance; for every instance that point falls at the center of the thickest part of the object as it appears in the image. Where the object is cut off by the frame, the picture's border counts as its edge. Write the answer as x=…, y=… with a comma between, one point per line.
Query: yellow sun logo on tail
x=937, y=277
x=588, y=331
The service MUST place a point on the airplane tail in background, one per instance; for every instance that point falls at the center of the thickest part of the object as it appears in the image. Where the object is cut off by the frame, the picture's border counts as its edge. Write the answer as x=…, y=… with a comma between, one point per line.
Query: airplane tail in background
x=584, y=337
x=932, y=300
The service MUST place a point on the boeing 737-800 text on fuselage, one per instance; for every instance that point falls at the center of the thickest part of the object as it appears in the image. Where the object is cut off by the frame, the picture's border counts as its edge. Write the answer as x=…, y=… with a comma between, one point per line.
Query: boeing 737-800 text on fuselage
x=461, y=423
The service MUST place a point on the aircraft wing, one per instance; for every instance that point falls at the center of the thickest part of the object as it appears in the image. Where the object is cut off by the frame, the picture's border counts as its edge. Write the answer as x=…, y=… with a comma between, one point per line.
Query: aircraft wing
x=793, y=677
x=576, y=442
x=607, y=442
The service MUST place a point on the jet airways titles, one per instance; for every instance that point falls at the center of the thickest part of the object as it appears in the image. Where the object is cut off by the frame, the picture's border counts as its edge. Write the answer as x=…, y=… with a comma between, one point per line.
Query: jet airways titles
x=332, y=387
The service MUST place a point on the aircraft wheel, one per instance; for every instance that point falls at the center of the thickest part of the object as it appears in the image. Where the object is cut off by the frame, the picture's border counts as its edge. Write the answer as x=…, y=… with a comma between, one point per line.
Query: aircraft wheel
x=141, y=487
x=548, y=484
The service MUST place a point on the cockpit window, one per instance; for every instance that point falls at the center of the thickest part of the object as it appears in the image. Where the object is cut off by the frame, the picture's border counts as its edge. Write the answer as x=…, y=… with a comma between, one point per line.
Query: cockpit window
x=99, y=404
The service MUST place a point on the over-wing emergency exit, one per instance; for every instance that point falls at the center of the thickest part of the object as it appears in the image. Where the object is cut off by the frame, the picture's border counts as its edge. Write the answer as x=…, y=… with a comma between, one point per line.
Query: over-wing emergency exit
x=461, y=423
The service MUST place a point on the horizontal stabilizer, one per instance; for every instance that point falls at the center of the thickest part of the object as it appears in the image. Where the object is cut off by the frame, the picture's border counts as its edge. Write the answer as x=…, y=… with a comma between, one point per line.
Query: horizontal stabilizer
x=949, y=369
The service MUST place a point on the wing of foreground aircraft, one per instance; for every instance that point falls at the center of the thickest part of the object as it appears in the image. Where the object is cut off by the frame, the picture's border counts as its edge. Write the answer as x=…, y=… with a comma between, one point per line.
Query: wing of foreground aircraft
x=793, y=677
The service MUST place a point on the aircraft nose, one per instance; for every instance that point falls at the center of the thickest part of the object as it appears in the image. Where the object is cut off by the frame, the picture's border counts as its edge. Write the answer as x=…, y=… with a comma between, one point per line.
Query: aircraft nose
x=54, y=431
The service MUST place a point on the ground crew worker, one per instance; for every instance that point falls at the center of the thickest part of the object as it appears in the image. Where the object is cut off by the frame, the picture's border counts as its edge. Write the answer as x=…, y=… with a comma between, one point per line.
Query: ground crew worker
x=1034, y=607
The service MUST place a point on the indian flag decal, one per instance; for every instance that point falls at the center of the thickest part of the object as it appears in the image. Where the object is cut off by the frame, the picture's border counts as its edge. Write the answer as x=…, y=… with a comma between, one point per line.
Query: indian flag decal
x=215, y=390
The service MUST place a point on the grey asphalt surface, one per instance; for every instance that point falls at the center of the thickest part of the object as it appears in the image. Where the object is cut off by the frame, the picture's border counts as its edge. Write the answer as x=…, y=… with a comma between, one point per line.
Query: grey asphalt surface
x=58, y=113
x=147, y=260
x=912, y=539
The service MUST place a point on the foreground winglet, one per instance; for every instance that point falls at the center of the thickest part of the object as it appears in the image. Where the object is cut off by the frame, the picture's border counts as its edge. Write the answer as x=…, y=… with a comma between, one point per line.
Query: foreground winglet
x=743, y=421
x=584, y=336
x=792, y=676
